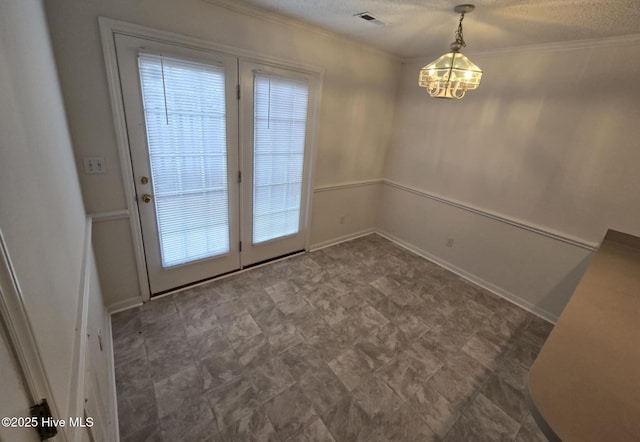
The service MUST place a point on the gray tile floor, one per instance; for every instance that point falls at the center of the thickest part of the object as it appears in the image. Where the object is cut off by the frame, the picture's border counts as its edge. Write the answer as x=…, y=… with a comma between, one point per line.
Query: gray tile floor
x=362, y=341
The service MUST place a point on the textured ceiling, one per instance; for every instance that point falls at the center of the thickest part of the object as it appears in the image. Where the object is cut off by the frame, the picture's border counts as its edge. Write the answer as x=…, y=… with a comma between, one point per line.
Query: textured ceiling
x=426, y=27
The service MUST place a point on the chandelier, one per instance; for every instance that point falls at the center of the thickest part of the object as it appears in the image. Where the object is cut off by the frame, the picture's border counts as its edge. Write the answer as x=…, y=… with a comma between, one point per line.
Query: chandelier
x=453, y=74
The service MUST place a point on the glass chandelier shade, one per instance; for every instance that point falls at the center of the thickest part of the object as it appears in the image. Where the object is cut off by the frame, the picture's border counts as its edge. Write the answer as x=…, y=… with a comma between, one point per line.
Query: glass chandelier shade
x=450, y=76
x=453, y=74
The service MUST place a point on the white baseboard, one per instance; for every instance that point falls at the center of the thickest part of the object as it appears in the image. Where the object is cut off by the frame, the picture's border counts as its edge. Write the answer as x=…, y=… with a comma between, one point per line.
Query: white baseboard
x=124, y=305
x=511, y=297
x=343, y=238
x=112, y=381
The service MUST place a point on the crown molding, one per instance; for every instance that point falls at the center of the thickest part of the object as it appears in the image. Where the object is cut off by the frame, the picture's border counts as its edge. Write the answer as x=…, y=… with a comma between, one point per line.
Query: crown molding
x=282, y=20
x=563, y=46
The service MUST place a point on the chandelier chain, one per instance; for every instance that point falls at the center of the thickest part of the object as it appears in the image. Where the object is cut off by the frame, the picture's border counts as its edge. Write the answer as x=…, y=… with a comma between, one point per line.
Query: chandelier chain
x=459, y=37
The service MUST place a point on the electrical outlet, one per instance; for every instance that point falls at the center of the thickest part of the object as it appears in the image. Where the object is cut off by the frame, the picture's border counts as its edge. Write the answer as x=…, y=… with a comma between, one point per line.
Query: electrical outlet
x=342, y=217
x=449, y=242
x=93, y=165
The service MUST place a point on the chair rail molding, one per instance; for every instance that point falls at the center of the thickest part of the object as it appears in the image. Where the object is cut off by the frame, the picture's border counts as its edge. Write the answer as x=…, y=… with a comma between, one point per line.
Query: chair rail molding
x=112, y=215
x=348, y=185
x=497, y=217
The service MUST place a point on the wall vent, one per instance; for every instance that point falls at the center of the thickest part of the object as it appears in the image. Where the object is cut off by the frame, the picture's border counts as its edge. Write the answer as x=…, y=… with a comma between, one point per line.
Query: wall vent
x=370, y=18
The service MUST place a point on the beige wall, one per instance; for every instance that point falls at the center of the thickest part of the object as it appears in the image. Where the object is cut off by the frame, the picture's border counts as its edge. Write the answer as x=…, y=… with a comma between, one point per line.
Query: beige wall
x=112, y=242
x=534, y=271
x=344, y=211
x=354, y=119
x=549, y=140
x=41, y=213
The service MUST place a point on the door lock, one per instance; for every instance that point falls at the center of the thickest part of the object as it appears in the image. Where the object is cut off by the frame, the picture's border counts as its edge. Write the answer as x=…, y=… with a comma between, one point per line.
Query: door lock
x=146, y=198
x=144, y=180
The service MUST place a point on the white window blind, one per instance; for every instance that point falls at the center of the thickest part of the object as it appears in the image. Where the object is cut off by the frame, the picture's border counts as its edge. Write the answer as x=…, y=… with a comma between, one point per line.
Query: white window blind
x=280, y=119
x=184, y=108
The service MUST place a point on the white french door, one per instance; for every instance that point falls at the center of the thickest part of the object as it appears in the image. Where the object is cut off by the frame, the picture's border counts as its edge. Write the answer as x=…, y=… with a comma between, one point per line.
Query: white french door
x=274, y=137
x=221, y=181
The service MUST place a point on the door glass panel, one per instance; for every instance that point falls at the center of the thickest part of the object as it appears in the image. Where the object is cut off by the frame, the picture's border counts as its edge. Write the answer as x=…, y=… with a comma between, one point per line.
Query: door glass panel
x=280, y=120
x=184, y=108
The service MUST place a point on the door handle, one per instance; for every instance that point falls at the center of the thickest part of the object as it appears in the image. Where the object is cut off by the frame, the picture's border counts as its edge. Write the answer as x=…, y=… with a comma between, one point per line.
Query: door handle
x=146, y=198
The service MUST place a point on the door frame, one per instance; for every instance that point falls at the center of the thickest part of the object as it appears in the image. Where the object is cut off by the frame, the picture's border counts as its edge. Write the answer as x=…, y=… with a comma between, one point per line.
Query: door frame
x=287, y=244
x=108, y=28
x=165, y=278
x=22, y=342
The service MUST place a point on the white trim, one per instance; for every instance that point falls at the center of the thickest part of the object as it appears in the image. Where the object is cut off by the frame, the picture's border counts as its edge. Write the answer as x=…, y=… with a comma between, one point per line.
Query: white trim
x=257, y=253
x=511, y=297
x=344, y=238
x=110, y=27
x=563, y=46
x=313, y=154
x=112, y=381
x=496, y=217
x=112, y=215
x=295, y=23
x=226, y=275
x=107, y=29
x=21, y=339
x=124, y=305
x=76, y=391
x=608, y=42
x=347, y=185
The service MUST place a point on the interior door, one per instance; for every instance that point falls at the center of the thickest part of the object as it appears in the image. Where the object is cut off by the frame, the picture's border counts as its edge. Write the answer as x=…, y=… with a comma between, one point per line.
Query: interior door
x=275, y=120
x=181, y=112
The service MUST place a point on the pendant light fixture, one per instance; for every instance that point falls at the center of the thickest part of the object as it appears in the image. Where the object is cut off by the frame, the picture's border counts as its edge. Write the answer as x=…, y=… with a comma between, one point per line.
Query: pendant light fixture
x=453, y=74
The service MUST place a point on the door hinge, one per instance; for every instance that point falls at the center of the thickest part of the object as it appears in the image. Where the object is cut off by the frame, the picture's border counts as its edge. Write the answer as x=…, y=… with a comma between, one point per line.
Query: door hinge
x=240, y=246
x=239, y=176
x=45, y=423
x=238, y=91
